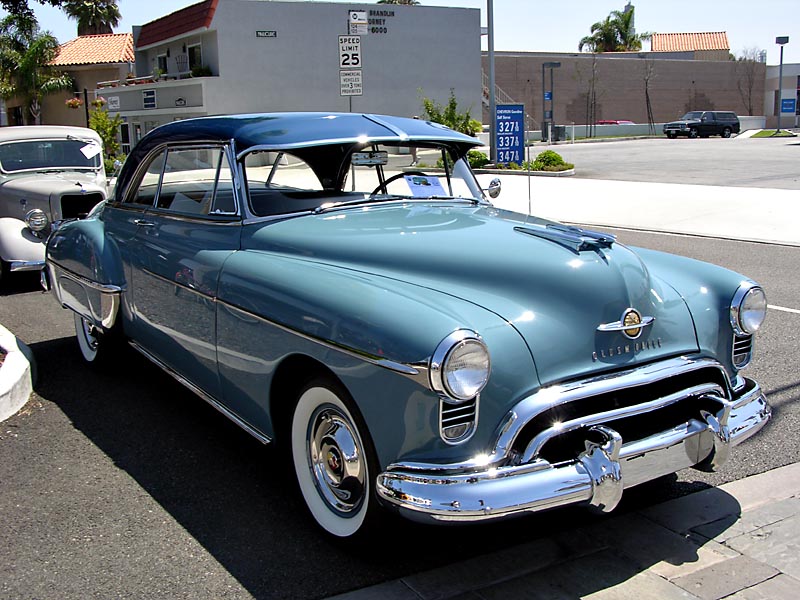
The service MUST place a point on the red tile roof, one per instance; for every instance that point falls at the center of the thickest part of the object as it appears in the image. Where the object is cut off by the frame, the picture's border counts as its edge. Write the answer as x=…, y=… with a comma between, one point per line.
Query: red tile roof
x=96, y=49
x=191, y=18
x=687, y=42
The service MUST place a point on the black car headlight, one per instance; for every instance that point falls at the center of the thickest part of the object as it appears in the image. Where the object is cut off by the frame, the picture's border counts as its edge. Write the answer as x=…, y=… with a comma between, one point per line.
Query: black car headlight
x=37, y=220
x=460, y=366
x=748, y=309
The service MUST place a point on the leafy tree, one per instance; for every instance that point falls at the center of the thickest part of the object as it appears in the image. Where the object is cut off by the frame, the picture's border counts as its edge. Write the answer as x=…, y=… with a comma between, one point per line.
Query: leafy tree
x=449, y=115
x=25, y=57
x=93, y=16
x=20, y=8
x=614, y=34
x=107, y=128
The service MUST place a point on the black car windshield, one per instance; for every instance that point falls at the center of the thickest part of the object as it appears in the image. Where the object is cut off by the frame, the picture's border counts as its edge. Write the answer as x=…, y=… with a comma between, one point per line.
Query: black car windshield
x=45, y=155
x=286, y=182
x=692, y=116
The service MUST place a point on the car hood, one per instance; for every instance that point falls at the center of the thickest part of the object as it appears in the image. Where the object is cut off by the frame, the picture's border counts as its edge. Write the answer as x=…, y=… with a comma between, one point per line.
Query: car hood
x=43, y=184
x=553, y=288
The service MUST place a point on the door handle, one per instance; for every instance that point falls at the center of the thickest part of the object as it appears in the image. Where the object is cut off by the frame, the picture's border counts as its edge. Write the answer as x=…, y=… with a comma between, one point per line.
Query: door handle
x=143, y=223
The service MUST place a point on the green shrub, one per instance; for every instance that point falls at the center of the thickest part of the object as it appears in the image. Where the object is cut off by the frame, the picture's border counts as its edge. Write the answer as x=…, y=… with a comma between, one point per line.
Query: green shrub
x=548, y=161
x=477, y=159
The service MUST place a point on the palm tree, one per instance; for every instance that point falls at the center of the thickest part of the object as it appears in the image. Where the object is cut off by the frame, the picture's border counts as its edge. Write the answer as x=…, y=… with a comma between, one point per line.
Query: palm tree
x=25, y=56
x=614, y=34
x=93, y=16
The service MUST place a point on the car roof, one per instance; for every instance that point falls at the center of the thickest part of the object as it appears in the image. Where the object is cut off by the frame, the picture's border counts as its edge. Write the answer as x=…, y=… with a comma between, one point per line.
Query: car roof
x=298, y=130
x=38, y=132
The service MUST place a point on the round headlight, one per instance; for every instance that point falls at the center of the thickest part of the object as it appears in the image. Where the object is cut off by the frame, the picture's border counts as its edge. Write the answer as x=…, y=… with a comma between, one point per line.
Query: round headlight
x=460, y=366
x=37, y=220
x=748, y=309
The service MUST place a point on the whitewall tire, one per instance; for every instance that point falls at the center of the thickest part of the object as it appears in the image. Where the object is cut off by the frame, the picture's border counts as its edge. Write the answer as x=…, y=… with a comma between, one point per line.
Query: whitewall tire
x=331, y=457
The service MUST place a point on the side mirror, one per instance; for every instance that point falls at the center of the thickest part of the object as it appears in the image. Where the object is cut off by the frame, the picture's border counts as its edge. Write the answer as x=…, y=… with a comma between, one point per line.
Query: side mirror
x=495, y=187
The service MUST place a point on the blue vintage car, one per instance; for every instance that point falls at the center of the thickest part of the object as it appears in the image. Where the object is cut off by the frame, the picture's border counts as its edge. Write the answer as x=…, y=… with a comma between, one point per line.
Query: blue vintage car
x=410, y=345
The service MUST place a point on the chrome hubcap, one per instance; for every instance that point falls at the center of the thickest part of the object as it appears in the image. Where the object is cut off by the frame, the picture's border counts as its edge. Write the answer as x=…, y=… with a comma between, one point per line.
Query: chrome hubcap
x=336, y=459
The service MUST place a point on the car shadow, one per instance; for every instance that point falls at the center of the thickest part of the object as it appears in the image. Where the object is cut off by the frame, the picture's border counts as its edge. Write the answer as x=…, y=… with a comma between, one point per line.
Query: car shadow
x=237, y=498
x=20, y=283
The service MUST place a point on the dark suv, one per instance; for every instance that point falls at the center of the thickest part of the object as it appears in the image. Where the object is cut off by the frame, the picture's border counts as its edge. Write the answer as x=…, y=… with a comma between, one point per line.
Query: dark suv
x=703, y=123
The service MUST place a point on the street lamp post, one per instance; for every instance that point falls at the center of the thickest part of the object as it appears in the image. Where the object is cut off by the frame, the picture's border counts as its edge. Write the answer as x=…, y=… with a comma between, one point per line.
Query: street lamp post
x=545, y=119
x=781, y=41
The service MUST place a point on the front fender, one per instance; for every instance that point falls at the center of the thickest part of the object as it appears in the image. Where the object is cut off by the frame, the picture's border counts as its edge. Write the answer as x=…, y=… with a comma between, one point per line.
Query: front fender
x=19, y=246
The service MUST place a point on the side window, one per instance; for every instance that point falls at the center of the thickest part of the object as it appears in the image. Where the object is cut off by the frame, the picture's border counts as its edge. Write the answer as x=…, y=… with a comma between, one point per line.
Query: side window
x=197, y=181
x=148, y=186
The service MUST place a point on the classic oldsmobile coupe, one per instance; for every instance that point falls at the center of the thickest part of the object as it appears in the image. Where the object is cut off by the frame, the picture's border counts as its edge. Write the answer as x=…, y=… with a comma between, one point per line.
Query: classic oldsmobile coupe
x=410, y=345
x=47, y=173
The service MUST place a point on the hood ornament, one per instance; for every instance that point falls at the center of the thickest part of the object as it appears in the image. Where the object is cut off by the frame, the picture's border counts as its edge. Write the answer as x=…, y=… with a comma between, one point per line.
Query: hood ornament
x=631, y=324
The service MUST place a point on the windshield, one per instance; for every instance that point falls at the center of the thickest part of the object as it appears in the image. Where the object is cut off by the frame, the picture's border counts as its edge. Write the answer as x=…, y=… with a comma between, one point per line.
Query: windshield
x=692, y=116
x=325, y=178
x=45, y=155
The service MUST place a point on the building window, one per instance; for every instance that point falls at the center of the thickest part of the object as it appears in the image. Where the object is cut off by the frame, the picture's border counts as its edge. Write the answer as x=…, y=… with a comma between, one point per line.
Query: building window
x=161, y=63
x=195, y=57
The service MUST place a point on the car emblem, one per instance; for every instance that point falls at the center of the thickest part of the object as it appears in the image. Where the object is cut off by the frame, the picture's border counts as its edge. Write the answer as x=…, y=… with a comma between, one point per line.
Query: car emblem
x=631, y=324
x=633, y=320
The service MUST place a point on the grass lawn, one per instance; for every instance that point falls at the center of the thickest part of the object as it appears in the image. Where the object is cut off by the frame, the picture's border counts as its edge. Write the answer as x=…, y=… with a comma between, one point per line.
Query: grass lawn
x=764, y=133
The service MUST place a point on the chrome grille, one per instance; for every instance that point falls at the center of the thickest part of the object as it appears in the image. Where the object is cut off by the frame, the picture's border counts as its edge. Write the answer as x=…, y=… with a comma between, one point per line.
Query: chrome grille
x=457, y=421
x=742, y=350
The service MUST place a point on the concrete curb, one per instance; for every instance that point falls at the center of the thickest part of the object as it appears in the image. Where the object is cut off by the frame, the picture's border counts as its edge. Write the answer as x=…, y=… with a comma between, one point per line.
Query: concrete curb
x=16, y=374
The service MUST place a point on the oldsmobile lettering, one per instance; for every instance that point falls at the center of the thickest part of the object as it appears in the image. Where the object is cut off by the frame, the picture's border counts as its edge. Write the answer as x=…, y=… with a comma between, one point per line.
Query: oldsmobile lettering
x=634, y=348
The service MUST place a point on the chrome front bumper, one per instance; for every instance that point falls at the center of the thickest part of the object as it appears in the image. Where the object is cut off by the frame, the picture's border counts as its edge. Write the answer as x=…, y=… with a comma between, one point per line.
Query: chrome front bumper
x=471, y=492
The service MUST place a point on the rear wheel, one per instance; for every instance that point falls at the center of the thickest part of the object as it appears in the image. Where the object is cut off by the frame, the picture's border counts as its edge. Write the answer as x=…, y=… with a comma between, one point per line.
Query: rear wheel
x=334, y=460
x=726, y=132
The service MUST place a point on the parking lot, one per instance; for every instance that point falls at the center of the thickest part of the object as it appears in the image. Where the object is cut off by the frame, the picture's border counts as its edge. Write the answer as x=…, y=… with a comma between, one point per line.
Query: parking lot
x=123, y=484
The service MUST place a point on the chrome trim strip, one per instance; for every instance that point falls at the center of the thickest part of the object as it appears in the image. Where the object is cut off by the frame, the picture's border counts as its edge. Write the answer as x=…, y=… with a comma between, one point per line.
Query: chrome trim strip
x=208, y=398
x=418, y=373
x=105, y=288
x=26, y=265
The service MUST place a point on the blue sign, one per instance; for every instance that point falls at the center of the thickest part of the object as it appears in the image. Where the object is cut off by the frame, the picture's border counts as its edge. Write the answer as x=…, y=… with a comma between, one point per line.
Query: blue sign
x=789, y=105
x=548, y=95
x=510, y=133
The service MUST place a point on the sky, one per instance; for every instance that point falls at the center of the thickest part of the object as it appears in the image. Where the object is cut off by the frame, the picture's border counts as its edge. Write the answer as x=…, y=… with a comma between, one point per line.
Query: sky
x=553, y=26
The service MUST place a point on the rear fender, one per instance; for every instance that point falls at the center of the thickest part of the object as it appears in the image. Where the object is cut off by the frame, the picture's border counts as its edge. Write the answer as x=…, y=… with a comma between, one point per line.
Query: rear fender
x=85, y=271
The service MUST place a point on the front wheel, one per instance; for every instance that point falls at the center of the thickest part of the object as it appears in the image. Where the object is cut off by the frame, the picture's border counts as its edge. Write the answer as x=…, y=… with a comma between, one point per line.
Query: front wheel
x=95, y=346
x=333, y=460
x=693, y=133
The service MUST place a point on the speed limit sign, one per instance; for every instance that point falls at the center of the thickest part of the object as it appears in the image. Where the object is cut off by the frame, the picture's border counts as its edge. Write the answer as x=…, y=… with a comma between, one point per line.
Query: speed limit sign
x=349, y=52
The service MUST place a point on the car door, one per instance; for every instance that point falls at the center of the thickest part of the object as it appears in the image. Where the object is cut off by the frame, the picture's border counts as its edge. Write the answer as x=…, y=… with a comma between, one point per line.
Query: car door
x=708, y=124
x=175, y=255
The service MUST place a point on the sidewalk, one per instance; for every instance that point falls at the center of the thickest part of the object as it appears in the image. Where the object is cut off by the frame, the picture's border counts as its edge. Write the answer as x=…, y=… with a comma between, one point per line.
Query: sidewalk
x=739, y=541
x=737, y=213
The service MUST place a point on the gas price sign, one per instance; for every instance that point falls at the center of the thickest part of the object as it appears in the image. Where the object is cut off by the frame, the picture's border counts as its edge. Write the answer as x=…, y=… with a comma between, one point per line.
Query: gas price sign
x=510, y=133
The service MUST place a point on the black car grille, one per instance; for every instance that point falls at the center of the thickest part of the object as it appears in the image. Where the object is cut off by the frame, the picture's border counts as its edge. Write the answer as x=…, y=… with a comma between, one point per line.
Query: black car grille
x=77, y=206
x=567, y=446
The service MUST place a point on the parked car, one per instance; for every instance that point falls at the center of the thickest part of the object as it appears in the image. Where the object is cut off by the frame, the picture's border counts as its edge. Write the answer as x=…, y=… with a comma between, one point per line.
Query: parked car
x=703, y=123
x=410, y=345
x=614, y=122
x=47, y=174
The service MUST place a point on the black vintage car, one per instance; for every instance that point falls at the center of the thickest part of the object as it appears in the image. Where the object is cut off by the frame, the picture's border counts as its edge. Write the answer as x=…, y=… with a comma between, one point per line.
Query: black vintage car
x=703, y=123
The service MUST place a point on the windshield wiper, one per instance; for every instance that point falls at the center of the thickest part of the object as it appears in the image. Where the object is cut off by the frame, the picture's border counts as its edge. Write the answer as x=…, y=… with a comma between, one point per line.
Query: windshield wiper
x=365, y=200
